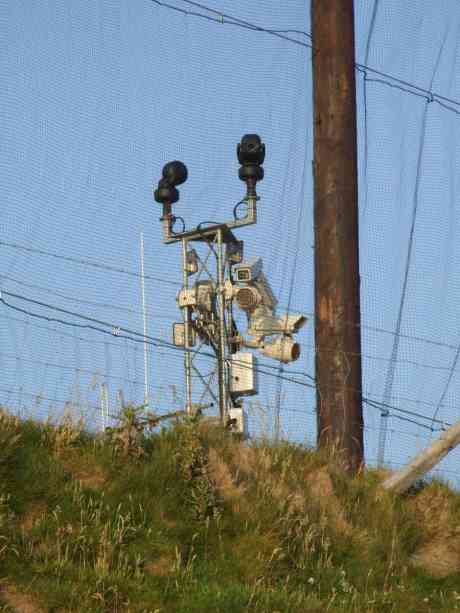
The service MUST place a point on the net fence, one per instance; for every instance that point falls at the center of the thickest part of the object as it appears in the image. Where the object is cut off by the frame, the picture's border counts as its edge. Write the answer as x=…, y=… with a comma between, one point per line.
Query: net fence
x=97, y=96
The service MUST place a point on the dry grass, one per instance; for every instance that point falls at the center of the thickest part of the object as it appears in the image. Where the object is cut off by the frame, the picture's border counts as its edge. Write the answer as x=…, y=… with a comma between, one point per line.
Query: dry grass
x=322, y=489
x=203, y=523
x=161, y=567
x=18, y=601
x=220, y=472
x=89, y=474
x=439, y=551
x=33, y=516
x=439, y=557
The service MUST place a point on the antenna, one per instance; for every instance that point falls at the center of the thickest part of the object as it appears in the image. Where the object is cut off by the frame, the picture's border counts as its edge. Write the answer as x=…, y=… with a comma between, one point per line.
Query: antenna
x=144, y=316
x=104, y=406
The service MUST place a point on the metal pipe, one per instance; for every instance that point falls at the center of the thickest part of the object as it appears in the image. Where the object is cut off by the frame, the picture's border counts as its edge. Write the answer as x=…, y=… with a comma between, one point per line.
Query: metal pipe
x=186, y=316
x=222, y=335
x=144, y=317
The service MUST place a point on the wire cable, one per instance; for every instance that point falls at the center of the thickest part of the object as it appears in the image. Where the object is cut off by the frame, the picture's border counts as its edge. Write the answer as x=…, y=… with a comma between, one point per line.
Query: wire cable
x=140, y=338
x=394, y=351
x=388, y=79
x=223, y=18
x=58, y=294
x=177, y=284
x=84, y=262
x=85, y=370
x=264, y=369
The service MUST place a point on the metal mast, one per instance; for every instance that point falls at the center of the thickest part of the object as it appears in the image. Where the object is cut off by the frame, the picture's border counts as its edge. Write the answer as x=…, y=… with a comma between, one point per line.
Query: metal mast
x=221, y=278
x=144, y=318
x=337, y=295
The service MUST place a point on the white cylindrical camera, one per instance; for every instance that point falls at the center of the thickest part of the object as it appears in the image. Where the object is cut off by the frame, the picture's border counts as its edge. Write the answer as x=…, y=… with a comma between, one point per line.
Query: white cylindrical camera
x=284, y=349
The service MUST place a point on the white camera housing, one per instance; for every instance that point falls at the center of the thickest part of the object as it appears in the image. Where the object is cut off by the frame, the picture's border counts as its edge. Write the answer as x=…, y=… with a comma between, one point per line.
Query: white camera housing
x=254, y=295
x=253, y=288
x=283, y=348
x=249, y=271
x=240, y=421
x=292, y=322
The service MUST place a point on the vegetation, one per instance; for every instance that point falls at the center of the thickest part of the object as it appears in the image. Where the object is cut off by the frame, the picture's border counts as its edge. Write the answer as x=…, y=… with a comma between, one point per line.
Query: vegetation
x=191, y=519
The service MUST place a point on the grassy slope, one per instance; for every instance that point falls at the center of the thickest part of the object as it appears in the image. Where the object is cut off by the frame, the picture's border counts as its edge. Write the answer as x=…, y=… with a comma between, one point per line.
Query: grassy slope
x=191, y=520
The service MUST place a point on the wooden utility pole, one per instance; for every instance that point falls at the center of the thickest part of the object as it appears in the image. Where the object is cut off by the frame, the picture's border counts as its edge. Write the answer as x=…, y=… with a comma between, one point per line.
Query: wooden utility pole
x=337, y=298
x=423, y=462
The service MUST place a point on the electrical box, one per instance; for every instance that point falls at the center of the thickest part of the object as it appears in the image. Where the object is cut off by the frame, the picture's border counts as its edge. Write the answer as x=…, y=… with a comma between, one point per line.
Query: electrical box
x=179, y=335
x=204, y=295
x=186, y=297
x=191, y=262
x=200, y=296
x=240, y=421
x=243, y=374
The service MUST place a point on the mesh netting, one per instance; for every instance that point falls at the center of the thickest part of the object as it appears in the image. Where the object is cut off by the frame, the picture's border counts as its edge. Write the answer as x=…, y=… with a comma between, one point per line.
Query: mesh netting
x=97, y=96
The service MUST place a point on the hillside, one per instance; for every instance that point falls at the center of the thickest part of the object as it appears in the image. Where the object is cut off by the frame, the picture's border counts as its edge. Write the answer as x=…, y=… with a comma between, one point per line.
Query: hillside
x=191, y=520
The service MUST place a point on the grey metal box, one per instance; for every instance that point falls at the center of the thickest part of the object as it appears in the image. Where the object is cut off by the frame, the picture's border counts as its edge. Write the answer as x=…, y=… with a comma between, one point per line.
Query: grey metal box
x=240, y=421
x=243, y=374
x=179, y=335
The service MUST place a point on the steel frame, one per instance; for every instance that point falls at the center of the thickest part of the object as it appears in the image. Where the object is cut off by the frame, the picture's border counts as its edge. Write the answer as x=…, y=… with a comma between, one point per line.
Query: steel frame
x=215, y=239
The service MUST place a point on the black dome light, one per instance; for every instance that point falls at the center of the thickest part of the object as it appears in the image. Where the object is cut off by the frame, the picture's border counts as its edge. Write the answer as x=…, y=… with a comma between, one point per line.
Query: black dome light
x=174, y=173
x=251, y=155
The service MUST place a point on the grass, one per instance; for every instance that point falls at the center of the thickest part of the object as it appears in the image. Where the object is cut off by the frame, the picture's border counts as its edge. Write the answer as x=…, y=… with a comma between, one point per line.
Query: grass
x=190, y=519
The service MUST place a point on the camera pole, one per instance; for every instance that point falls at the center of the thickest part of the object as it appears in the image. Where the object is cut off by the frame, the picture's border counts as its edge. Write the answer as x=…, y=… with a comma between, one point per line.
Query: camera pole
x=337, y=296
x=186, y=315
x=222, y=332
x=207, y=305
x=220, y=279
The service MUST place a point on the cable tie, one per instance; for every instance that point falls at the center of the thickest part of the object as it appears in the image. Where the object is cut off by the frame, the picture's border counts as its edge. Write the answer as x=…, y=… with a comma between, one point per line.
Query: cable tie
x=116, y=331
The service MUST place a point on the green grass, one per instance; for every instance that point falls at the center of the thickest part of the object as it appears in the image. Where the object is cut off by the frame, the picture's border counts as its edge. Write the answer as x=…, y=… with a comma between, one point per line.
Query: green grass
x=189, y=519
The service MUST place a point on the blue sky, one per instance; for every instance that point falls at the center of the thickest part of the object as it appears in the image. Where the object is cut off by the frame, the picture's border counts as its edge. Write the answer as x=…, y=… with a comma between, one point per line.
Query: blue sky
x=98, y=95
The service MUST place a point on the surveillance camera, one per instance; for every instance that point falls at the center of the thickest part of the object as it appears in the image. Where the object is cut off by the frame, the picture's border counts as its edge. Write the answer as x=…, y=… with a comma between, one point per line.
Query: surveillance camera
x=166, y=193
x=252, y=287
x=251, y=150
x=249, y=271
x=174, y=173
x=284, y=349
x=264, y=322
x=247, y=297
x=292, y=322
x=251, y=154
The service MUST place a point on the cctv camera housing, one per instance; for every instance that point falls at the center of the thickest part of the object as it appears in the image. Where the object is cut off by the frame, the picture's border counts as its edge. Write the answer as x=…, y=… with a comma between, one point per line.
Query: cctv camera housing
x=251, y=150
x=248, y=271
x=175, y=173
x=251, y=155
x=166, y=193
x=284, y=349
x=292, y=322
